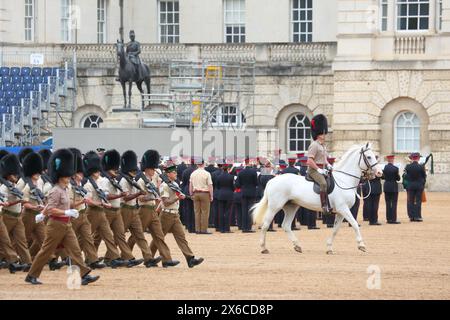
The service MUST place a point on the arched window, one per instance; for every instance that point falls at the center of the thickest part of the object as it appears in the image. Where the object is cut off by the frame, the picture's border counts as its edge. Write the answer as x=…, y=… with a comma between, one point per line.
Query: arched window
x=92, y=121
x=299, y=133
x=407, y=132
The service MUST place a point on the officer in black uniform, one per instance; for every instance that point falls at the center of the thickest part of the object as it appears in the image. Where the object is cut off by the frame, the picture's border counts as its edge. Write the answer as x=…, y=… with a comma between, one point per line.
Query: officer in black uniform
x=180, y=169
x=188, y=204
x=214, y=211
x=236, y=217
x=225, y=193
x=279, y=216
x=416, y=175
x=354, y=210
x=391, y=176
x=247, y=179
x=371, y=203
x=265, y=176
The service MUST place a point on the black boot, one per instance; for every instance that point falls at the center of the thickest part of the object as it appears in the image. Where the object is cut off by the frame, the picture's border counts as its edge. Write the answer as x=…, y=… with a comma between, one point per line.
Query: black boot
x=192, y=262
x=32, y=280
x=324, y=202
x=14, y=267
x=55, y=265
x=88, y=279
x=171, y=263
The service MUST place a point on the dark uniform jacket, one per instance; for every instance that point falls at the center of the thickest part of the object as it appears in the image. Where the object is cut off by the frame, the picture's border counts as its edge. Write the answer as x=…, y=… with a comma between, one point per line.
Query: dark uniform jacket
x=375, y=187
x=416, y=176
x=303, y=170
x=263, y=179
x=225, y=184
x=247, y=179
x=186, y=178
x=210, y=168
x=291, y=169
x=391, y=176
x=214, y=176
x=237, y=196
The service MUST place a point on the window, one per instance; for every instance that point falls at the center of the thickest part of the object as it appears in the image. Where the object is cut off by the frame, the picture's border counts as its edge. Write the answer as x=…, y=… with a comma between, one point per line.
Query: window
x=29, y=20
x=234, y=21
x=66, y=20
x=169, y=22
x=407, y=132
x=101, y=21
x=302, y=20
x=92, y=121
x=384, y=15
x=413, y=14
x=299, y=133
x=227, y=115
x=439, y=8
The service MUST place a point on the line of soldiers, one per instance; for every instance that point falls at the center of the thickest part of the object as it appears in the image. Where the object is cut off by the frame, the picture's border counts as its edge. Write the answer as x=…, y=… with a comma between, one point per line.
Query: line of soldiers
x=64, y=204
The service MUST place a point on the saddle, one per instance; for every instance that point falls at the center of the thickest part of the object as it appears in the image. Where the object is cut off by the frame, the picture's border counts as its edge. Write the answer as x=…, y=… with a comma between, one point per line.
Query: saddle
x=316, y=187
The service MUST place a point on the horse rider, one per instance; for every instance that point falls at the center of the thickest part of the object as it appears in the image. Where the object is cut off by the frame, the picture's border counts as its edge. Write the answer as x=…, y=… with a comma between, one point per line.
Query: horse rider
x=318, y=165
x=133, y=52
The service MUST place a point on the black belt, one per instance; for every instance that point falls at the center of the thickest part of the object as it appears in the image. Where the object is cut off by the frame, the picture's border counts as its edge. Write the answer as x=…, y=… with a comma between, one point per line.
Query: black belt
x=11, y=213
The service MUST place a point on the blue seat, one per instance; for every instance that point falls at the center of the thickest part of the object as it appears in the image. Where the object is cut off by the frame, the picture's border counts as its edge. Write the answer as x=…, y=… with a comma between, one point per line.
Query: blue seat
x=26, y=71
x=9, y=94
x=16, y=79
x=4, y=71
x=20, y=94
x=14, y=71
x=8, y=87
x=18, y=87
x=3, y=101
x=6, y=79
x=37, y=86
x=13, y=102
x=28, y=86
x=38, y=79
x=36, y=71
x=47, y=72
x=27, y=79
x=2, y=93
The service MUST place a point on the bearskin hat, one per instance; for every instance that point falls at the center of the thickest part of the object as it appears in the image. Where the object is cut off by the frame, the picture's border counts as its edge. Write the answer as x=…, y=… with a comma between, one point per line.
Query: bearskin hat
x=45, y=154
x=23, y=153
x=10, y=165
x=78, y=160
x=111, y=160
x=3, y=153
x=32, y=164
x=61, y=164
x=150, y=160
x=319, y=125
x=91, y=163
x=128, y=162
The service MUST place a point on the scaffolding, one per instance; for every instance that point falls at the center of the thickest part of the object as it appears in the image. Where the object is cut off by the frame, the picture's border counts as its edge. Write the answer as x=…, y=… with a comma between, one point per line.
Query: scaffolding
x=205, y=94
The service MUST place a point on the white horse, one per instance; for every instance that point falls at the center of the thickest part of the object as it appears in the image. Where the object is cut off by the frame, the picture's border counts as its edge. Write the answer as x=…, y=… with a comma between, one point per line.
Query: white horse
x=289, y=192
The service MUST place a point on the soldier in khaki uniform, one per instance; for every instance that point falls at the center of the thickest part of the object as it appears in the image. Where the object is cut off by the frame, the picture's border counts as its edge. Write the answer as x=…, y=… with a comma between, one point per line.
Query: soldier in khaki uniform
x=201, y=189
x=59, y=229
x=34, y=202
x=318, y=165
x=110, y=165
x=170, y=218
x=130, y=216
x=147, y=208
x=81, y=225
x=10, y=171
x=95, y=212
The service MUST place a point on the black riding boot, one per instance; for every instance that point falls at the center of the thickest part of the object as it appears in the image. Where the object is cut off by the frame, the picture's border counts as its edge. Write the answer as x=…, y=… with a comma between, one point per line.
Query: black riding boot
x=324, y=202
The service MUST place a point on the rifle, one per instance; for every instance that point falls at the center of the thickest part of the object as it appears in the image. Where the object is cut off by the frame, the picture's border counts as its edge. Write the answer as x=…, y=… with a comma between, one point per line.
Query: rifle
x=151, y=188
x=2, y=197
x=113, y=181
x=46, y=178
x=131, y=181
x=14, y=191
x=79, y=190
x=175, y=188
x=430, y=156
x=101, y=194
x=35, y=192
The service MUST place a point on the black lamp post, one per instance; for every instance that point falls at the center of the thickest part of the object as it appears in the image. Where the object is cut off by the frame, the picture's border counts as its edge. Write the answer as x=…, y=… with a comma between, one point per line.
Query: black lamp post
x=121, y=20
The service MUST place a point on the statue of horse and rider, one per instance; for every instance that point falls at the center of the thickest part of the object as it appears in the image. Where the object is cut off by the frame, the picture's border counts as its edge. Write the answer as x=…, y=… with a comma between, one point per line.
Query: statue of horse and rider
x=131, y=69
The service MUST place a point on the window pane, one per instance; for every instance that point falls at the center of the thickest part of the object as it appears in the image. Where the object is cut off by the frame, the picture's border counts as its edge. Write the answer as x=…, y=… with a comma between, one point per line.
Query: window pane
x=424, y=8
x=413, y=9
x=423, y=23
x=412, y=24
x=403, y=9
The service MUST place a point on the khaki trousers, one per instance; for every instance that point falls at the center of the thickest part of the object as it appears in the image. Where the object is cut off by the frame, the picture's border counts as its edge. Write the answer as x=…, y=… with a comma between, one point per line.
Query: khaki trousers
x=16, y=231
x=83, y=231
x=58, y=233
x=100, y=225
x=319, y=178
x=34, y=232
x=201, y=207
x=132, y=222
x=171, y=223
x=116, y=224
x=149, y=219
x=6, y=249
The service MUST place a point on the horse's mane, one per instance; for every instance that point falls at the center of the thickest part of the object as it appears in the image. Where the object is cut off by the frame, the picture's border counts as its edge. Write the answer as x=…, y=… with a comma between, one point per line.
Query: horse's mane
x=346, y=155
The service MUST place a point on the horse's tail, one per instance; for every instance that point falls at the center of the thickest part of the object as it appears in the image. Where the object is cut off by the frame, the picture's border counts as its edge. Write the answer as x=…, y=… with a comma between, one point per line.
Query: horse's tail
x=259, y=210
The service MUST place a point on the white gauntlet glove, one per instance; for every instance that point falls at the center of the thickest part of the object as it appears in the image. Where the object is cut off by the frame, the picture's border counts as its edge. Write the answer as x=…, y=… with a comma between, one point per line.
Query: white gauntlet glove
x=329, y=167
x=321, y=171
x=39, y=218
x=72, y=213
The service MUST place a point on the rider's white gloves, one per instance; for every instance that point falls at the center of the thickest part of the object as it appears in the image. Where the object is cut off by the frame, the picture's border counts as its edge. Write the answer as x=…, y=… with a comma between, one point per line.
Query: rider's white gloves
x=329, y=167
x=72, y=213
x=39, y=218
x=322, y=171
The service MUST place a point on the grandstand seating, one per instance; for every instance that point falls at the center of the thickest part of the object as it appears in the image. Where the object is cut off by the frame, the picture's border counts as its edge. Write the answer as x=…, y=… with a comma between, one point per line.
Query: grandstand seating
x=26, y=93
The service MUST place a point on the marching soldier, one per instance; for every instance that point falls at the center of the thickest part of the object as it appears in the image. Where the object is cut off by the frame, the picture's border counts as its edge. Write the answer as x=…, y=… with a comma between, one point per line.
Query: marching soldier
x=96, y=202
x=147, y=209
x=81, y=225
x=110, y=165
x=170, y=218
x=47, y=185
x=189, y=215
x=130, y=216
x=10, y=172
x=247, y=179
x=59, y=229
x=416, y=176
x=34, y=202
x=201, y=189
x=391, y=176
x=225, y=191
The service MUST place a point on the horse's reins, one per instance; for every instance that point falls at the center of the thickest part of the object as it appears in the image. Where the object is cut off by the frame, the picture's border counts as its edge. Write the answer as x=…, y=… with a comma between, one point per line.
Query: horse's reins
x=363, y=176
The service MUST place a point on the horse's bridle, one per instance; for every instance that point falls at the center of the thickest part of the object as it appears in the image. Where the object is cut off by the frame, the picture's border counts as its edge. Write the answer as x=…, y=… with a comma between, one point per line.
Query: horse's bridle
x=365, y=173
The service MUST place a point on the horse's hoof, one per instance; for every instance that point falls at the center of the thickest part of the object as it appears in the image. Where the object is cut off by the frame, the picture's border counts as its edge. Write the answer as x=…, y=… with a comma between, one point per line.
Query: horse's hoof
x=330, y=252
x=362, y=248
x=298, y=249
x=265, y=251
